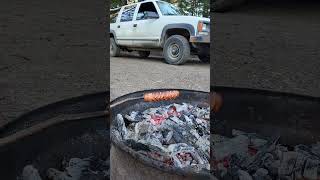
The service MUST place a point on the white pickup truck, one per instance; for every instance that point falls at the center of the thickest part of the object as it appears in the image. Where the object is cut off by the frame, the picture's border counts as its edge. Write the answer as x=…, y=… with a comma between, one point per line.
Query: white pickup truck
x=158, y=25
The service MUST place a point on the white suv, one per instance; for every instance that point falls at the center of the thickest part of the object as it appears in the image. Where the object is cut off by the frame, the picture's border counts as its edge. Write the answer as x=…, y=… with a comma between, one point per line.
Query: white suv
x=158, y=25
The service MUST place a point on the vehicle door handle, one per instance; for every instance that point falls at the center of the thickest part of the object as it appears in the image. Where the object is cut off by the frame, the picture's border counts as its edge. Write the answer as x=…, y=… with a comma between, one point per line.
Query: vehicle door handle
x=135, y=25
x=118, y=26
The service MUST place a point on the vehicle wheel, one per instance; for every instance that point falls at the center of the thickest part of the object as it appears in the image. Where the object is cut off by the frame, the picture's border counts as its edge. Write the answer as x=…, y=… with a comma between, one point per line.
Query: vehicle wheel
x=176, y=50
x=204, y=57
x=144, y=54
x=114, y=49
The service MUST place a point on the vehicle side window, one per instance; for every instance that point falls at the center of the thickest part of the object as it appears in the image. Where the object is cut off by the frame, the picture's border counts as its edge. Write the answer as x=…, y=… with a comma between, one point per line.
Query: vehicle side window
x=145, y=10
x=128, y=12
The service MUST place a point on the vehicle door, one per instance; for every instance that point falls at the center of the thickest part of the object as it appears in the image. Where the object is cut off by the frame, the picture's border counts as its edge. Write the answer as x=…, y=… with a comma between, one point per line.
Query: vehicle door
x=146, y=27
x=124, y=28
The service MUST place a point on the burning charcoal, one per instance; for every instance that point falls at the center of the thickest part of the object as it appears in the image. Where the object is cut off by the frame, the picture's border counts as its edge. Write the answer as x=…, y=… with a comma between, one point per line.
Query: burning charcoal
x=301, y=159
x=188, y=120
x=179, y=134
x=287, y=163
x=244, y=175
x=254, y=162
x=141, y=129
x=195, y=133
x=137, y=145
x=257, y=142
x=316, y=149
x=176, y=134
x=121, y=126
x=30, y=173
x=74, y=171
x=167, y=136
x=182, y=108
x=183, y=155
x=274, y=167
x=311, y=169
x=203, y=145
x=215, y=138
x=261, y=174
x=177, y=120
x=222, y=171
x=237, y=145
x=133, y=117
x=267, y=159
x=154, y=143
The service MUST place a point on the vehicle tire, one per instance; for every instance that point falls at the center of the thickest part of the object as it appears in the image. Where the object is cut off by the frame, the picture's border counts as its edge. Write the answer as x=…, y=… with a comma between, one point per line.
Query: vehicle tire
x=144, y=54
x=114, y=49
x=176, y=50
x=204, y=58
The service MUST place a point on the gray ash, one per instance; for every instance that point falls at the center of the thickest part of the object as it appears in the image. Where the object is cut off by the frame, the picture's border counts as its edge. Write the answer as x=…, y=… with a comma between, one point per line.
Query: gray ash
x=247, y=156
x=74, y=169
x=177, y=134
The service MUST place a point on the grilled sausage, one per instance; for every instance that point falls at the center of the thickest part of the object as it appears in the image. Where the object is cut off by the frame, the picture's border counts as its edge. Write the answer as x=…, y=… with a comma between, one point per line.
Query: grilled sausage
x=161, y=96
x=215, y=102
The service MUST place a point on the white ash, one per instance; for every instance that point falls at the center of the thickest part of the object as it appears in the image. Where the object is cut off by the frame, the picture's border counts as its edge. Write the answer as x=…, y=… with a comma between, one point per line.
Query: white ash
x=177, y=134
x=75, y=169
x=30, y=173
x=248, y=156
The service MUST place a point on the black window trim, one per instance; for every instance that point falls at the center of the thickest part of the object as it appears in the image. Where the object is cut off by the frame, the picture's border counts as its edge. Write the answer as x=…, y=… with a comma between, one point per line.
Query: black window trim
x=139, y=9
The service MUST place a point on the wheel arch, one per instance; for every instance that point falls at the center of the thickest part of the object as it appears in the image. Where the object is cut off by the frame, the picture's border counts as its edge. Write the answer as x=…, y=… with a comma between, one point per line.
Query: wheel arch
x=178, y=26
x=112, y=33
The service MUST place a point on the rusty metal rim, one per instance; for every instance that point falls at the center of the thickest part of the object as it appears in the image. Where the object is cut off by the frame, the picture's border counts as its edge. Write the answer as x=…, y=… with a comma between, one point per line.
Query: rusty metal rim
x=263, y=92
x=47, y=123
x=146, y=160
x=139, y=93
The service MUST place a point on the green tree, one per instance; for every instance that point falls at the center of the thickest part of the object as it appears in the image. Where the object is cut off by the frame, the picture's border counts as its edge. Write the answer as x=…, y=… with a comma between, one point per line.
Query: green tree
x=118, y=3
x=192, y=7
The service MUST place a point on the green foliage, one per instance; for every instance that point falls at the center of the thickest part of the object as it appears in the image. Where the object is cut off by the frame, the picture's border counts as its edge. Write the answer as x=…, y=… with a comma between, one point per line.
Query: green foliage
x=192, y=7
x=118, y=3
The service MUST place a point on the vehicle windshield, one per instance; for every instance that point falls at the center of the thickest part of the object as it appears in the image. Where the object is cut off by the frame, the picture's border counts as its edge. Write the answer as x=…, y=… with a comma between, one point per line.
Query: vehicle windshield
x=168, y=9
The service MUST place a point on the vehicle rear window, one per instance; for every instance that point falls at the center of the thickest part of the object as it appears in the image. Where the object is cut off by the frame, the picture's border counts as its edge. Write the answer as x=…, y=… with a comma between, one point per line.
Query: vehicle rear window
x=128, y=12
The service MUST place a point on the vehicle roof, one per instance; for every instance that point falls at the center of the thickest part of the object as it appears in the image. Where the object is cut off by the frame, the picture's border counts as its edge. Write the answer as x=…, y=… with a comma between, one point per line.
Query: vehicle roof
x=143, y=2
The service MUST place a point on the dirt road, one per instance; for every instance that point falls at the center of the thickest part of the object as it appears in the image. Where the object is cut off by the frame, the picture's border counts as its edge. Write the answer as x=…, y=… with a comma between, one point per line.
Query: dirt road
x=48, y=53
x=268, y=46
x=130, y=73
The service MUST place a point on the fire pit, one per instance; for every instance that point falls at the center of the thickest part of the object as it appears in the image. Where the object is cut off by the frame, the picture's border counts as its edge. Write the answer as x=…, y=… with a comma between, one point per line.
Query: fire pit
x=57, y=134
x=266, y=135
x=127, y=150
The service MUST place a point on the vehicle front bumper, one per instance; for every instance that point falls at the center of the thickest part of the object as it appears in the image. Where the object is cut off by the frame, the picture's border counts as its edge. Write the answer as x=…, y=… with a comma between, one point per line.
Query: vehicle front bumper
x=200, y=39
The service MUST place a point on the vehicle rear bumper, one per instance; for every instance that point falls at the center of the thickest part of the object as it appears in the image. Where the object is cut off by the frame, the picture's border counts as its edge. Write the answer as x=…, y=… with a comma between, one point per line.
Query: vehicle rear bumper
x=200, y=39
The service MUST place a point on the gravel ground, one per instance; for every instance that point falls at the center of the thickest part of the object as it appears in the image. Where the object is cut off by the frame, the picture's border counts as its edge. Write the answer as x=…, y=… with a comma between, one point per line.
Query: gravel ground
x=130, y=73
x=268, y=46
x=48, y=53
